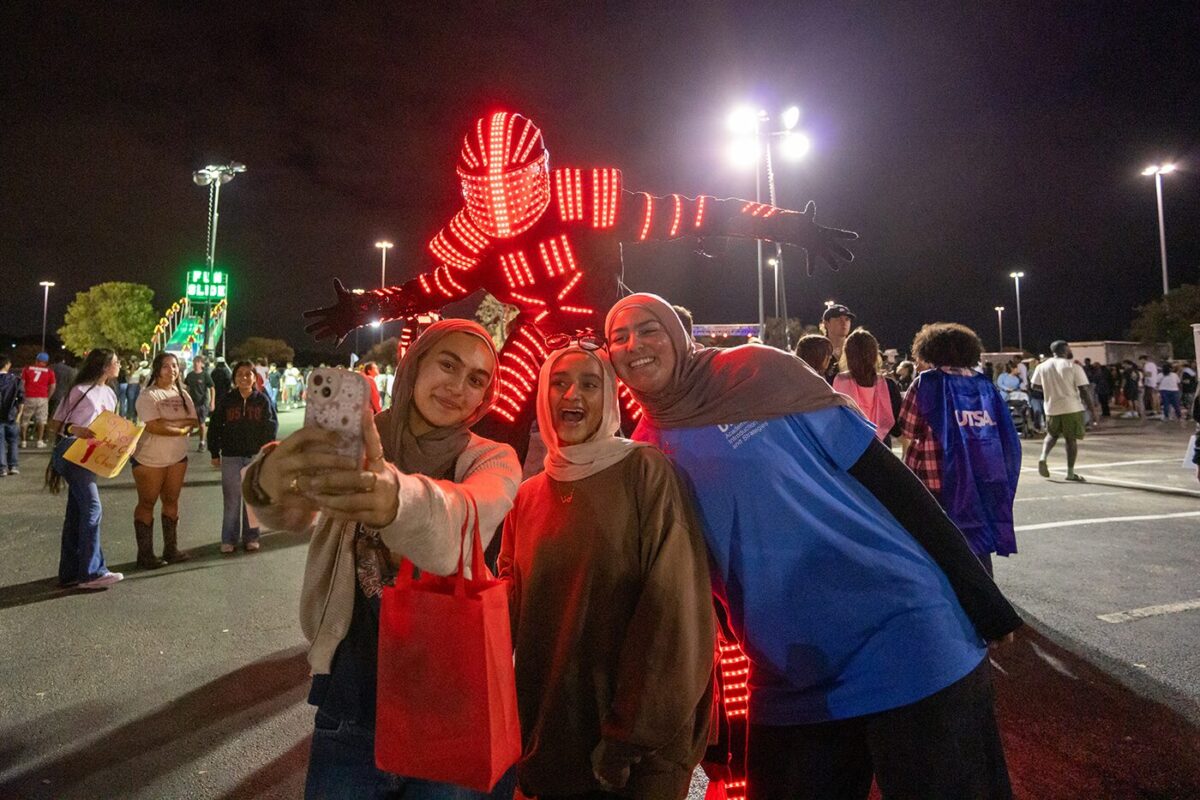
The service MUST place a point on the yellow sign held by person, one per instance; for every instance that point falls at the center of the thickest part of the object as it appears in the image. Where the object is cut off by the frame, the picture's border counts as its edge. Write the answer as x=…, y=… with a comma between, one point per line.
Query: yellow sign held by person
x=106, y=453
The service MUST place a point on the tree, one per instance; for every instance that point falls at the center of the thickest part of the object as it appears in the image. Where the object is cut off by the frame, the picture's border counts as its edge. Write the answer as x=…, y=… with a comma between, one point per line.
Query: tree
x=115, y=315
x=384, y=353
x=774, y=332
x=1170, y=320
x=255, y=347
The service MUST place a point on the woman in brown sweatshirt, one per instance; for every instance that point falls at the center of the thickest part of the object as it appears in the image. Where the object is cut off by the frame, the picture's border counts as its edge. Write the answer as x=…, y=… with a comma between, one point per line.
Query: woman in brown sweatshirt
x=610, y=601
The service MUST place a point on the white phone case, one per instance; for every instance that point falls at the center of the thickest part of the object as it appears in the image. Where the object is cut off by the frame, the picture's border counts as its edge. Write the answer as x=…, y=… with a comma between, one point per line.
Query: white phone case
x=335, y=401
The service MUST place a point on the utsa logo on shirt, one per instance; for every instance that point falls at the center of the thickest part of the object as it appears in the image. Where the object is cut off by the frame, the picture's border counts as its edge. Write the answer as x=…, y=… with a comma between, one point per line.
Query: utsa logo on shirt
x=975, y=419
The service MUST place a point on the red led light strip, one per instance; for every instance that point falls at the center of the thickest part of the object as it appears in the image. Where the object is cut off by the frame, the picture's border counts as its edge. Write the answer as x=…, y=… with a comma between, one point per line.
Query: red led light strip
x=450, y=279
x=570, y=285
x=524, y=264
x=678, y=218
x=700, y=209
x=759, y=210
x=471, y=237
x=649, y=216
x=425, y=284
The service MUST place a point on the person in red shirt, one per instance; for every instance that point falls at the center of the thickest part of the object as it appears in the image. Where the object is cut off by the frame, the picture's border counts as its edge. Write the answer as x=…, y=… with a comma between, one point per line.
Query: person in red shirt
x=39, y=385
x=371, y=370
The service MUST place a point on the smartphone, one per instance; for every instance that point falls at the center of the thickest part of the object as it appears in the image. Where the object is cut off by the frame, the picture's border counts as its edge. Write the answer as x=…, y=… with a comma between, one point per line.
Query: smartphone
x=335, y=401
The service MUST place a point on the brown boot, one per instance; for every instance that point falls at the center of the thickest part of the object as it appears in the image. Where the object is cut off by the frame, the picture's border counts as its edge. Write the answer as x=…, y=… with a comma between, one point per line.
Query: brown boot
x=144, y=535
x=171, y=552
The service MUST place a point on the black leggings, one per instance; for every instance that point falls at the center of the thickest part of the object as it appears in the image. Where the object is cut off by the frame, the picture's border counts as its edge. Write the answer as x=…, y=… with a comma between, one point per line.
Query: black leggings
x=902, y=493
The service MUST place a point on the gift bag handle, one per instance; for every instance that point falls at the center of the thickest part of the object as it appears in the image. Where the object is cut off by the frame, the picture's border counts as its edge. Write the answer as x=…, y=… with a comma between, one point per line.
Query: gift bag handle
x=478, y=568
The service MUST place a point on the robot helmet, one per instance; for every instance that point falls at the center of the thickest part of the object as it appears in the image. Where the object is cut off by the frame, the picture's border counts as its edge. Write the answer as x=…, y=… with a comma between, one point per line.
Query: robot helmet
x=505, y=173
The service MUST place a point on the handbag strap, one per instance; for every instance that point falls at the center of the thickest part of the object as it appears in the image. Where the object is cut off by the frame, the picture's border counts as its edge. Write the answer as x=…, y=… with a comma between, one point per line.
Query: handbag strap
x=67, y=415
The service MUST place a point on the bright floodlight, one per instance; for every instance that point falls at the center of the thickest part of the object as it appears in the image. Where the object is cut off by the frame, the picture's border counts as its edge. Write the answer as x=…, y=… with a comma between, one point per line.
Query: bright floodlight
x=791, y=117
x=375, y=323
x=773, y=262
x=202, y=178
x=1165, y=168
x=47, y=284
x=384, y=245
x=1016, y=274
x=743, y=152
x=999, y=308
x=743, y=119
x=794, y=146
x=1150, y=170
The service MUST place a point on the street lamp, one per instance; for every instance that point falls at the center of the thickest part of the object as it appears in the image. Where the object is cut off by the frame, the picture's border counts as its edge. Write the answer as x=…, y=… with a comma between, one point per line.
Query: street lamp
x=748, y=150
x=1000, y=325
x=45, y=305
x=1158, y=171
x=213, y=176
x=1016, y=276
x=383, y=246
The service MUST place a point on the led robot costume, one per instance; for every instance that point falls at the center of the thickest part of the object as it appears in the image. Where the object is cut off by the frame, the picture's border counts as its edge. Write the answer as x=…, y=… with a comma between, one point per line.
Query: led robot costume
x=548, y=242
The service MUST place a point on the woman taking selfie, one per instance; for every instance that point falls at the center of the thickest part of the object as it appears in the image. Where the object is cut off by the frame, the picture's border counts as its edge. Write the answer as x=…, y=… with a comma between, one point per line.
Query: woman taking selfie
x=611, y=602
x=865, y=629
x=423, y=469
x=160, y=461
x=81, y=561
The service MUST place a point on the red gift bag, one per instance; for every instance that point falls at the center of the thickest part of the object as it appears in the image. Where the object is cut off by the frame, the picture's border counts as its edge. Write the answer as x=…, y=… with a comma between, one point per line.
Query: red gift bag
x=446, y=707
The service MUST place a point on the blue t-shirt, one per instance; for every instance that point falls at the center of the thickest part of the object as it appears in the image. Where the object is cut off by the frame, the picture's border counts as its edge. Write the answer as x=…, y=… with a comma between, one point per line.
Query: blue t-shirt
x=841, y=612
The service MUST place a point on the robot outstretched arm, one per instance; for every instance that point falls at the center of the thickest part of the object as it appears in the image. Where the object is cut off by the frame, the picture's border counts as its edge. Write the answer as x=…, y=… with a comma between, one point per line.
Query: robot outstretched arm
x=646, y=217
x=424, y=293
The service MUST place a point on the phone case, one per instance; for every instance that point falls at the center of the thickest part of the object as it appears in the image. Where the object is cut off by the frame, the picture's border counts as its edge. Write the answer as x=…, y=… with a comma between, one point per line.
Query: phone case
x=335, y=401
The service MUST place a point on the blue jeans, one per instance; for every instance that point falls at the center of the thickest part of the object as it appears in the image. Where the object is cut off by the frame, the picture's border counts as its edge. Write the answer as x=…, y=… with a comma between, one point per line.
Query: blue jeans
x=342, y=764
x=132, y=391
x=235, y=519
x=80, y=558
x=10, y=440
x=1170, y=400
x=122, y=388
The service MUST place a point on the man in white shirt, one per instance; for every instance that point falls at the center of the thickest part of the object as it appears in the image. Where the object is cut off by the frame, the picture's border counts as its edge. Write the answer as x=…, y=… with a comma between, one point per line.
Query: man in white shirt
x=1063, y=383
x=1151, y=377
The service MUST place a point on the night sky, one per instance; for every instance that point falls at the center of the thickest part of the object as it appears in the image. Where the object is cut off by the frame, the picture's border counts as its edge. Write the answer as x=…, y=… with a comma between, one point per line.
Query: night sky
x=961, y=142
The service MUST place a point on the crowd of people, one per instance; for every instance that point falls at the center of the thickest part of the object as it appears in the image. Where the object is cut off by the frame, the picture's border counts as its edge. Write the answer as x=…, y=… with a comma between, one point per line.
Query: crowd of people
x=630, y=561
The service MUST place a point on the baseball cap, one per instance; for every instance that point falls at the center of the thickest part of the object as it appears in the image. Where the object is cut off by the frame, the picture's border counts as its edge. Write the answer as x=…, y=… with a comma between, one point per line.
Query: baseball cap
x=836, y=310
x=43, y=357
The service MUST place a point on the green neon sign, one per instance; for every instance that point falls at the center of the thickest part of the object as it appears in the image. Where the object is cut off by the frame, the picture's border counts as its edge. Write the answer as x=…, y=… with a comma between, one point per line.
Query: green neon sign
x=203, y=284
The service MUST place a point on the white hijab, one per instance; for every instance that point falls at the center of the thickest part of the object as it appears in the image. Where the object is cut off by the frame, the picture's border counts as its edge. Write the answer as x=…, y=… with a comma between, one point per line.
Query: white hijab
x=604, y=447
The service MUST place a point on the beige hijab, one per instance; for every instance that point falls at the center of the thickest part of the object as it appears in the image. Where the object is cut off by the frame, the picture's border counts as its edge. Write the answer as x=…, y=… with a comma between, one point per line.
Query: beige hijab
x=604, y=447
x=432, y=453
x=715, y=386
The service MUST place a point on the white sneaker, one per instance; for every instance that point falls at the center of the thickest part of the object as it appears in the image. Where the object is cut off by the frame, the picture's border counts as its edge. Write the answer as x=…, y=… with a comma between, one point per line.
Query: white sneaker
x=41, y=444
x=105, y=580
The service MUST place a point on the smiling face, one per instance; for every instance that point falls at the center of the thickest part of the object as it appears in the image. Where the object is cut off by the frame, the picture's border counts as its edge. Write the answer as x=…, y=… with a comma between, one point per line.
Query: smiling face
x=243, y=379
x=576, y=394
x=641, y=350
x=452, y=380
x=168, y=372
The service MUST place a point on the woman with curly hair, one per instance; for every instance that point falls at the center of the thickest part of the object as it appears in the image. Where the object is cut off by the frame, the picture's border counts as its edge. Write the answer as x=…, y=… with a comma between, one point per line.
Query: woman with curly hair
x=961, y=439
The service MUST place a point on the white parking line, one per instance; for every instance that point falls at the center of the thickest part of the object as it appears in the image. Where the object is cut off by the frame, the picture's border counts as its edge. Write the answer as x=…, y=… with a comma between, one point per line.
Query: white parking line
x=1041, y=526
x=1108, y=464
x=1149, y=611
x=1065, y=496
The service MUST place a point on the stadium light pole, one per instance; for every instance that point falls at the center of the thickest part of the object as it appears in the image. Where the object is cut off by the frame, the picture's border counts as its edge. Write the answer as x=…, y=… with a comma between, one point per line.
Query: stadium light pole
x=45, y=306
x=1158, y=170
x=1000, y=326
x=752, y=147
x=213, y=176
x=383, y=246
x=1016, y=276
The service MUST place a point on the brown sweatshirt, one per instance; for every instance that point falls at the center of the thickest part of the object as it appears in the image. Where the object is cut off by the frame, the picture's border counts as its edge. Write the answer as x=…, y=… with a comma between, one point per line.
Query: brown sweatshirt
x=613, y=628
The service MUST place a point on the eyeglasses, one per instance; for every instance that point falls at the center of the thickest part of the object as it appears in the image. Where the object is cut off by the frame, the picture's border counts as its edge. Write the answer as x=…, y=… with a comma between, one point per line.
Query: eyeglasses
x=587, y=339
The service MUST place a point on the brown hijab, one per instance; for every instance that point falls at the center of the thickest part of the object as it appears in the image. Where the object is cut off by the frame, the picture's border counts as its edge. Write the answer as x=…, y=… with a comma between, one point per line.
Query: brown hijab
x=714, y=386
x=432, y=453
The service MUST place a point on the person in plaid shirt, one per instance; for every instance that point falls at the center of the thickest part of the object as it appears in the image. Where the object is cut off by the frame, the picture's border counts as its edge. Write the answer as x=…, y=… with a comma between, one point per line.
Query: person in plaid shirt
x=969, y=415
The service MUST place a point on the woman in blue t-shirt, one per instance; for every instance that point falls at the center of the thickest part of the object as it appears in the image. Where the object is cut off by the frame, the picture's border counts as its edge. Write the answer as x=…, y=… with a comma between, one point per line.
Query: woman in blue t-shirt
x=858, y=602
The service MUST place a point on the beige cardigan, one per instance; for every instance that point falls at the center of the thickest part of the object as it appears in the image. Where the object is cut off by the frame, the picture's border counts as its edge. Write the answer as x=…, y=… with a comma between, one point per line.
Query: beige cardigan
x=426, y=531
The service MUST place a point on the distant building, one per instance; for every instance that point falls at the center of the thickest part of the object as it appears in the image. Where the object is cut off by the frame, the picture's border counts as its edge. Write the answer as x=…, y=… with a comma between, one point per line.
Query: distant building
x=1108, y=352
